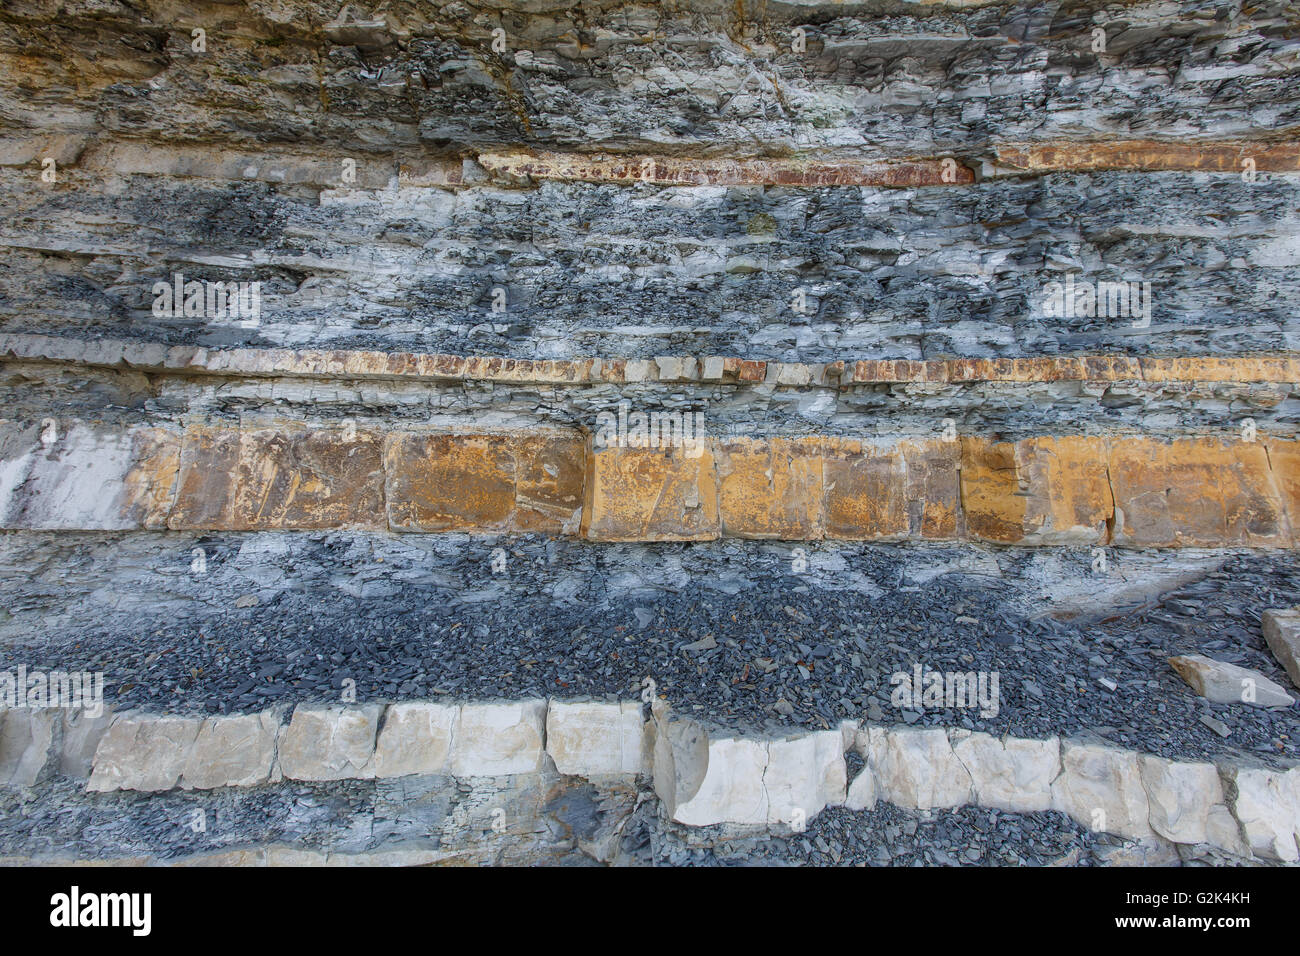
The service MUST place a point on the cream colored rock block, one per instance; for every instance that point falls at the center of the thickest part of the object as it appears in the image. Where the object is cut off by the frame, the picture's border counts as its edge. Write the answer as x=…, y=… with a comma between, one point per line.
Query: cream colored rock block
x=804, y=775
x=416, y=739
x=141, y=752
x=26, y=744
x=595, y=739
x=1223, y=831
x=1267, y=807
x=917, y=769
x=330, y=742
x=731, y=790
x=1011, y=774
x=1101, y=787
x=492, y=739
x=1180, y=797
x=236, y=751
x=681, y=758
x=1226, y=683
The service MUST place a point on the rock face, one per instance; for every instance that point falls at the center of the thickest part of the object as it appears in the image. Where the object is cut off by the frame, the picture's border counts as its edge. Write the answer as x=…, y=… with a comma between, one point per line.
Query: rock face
x=232, y=752
x=1183, y=798
x=1226, y=683
x=401, y=131
x=1267, y=806
x=702, y=778
x=492, y=739
x=370, y=272
x=416, y=738
x=1042, y=491
x=27, y=737
x=705, y=780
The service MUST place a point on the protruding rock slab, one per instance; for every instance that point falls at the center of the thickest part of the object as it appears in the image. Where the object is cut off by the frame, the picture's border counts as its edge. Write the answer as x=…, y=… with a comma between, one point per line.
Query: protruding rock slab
x=330, y=742
x=805, y=774
x=140, y=752
x=909, y=489
x=737, y=780
x=916, y=767
x=1050, y=491
x=1282, y=634
x=1101, y=787
x=27, y=744
x=651, y=494
x=416, y=738
x=1182, y=798
x=1009, y=774
x=69, y=476
x=595, y=739
x=731, y=790
x=771, y=488
x=485, y=483
x=1267, y=805
x=698, y=171
x=236, y=751
x=493, y=739
x=279, y=479
x=1200, y=492
x=1226, y=683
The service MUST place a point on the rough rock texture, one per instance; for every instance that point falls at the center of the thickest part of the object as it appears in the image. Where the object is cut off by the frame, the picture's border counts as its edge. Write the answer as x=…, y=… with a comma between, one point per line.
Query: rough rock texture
x=660, y=179
x=593, y=739
x=232, y=752
x=1268, y=809
x=492, y=739
x=1182, y=797
x=1190, y=492
x=416, y=738
x=140, y=753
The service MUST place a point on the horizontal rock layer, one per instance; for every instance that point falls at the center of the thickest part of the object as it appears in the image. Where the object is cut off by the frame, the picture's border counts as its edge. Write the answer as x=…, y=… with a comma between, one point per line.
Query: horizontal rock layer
x=1131, y=491
x=367, y=365
x=856, y=78
x=702, y=777
x=575, y=269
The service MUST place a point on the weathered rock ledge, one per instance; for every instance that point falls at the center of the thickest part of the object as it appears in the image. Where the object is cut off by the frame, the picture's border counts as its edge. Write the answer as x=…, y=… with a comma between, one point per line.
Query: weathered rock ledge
x=702, y=777
x=1123, y=490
